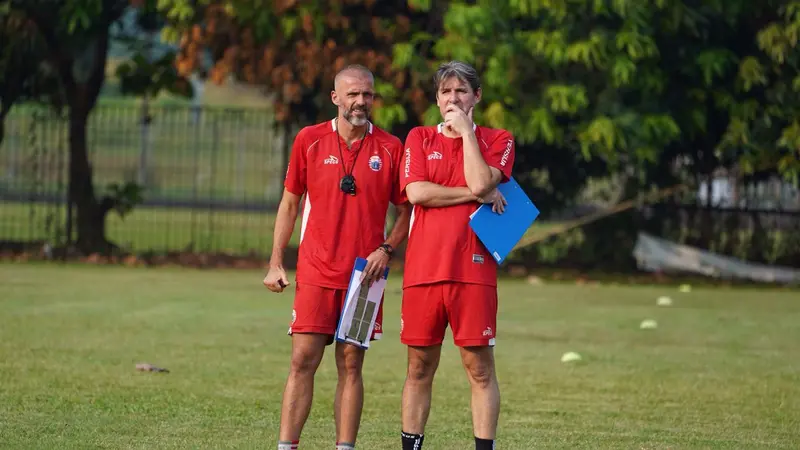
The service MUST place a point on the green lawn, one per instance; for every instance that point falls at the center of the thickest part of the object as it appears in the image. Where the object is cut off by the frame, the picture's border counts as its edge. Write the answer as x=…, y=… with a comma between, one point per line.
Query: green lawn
x=151, y=228
x=160, y=229
x=721, y=371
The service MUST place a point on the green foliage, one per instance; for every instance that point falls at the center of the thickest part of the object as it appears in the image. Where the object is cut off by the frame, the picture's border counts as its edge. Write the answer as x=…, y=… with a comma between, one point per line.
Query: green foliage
x=80, y=15
x=558, y=247
x=70, y=35
x=624, y=81
x=556, y=72
x=125, y=197
x=22, y=77
x=146, y=73
x=141, y=77
x=393, y=112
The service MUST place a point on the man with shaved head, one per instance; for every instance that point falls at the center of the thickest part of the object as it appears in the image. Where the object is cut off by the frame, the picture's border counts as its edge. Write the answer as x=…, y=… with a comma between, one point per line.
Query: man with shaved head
x=347, y=170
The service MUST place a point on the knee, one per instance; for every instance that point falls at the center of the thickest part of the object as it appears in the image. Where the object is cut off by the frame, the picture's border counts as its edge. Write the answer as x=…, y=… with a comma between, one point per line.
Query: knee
x=349, y=361
x=481, y=375
x=349, y=368
x=420, y=372
x=304, y=363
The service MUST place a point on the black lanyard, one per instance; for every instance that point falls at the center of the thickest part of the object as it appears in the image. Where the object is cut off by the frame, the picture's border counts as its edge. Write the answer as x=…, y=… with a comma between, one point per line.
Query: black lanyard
x=348, y=182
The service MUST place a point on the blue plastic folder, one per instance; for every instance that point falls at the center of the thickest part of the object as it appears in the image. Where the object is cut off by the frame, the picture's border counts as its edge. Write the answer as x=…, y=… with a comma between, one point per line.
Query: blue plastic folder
x=360, y=310
x=499, y=233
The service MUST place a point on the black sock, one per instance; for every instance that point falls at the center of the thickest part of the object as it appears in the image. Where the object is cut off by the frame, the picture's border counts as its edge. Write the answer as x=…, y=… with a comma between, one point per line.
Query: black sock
x=412, y=441
x=483, y=444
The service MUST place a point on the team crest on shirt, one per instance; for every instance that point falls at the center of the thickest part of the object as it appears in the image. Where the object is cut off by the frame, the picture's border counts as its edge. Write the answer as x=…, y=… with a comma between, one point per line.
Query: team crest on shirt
x=375, y=163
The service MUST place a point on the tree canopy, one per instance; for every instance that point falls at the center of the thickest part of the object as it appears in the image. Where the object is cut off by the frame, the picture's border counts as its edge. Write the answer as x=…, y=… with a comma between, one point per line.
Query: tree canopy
x=294, y=48
x=657, y=91
x=23, y=78
x=625, y=81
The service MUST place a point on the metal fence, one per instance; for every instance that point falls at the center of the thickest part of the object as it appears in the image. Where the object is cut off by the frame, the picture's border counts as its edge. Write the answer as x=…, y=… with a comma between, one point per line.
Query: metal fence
x=212, y=177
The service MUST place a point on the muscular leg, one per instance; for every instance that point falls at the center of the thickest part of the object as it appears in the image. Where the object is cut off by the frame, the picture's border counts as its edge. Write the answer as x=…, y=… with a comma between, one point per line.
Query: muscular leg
x=418, y=388
x=349, y=392
x=479, y=365
x=307, y=351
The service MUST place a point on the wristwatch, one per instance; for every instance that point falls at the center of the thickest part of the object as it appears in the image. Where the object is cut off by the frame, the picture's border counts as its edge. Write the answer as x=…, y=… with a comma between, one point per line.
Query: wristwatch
x=387, y=249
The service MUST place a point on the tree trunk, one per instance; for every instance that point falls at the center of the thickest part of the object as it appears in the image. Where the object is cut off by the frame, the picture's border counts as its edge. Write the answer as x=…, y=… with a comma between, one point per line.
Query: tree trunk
x=90, y=216
x=3, y=114
x=83, y=88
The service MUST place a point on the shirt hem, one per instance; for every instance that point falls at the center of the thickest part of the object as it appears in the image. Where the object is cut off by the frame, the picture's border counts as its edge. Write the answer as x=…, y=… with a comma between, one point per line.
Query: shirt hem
x=324, y=285
x=449, y=280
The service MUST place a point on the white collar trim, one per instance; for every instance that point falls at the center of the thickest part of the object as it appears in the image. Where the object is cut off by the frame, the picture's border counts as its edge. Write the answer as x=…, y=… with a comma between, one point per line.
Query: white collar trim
x=333, y=125
x=441, y=125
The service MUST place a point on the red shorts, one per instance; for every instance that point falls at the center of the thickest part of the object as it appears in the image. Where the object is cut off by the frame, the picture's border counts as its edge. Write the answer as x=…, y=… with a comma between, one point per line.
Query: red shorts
x=470, y=309
x=317, y=310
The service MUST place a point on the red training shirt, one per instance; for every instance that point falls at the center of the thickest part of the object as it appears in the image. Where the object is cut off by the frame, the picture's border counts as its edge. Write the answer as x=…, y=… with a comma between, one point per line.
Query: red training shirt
x=441, y=245
x=338, y=227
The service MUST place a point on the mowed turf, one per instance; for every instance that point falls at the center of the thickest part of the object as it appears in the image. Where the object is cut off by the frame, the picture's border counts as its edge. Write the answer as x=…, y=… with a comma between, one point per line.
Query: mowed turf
x=722, y=370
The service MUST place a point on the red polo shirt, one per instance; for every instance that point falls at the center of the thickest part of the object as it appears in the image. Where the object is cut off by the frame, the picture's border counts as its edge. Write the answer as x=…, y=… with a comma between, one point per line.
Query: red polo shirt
x=338, y=227
x=441, y=245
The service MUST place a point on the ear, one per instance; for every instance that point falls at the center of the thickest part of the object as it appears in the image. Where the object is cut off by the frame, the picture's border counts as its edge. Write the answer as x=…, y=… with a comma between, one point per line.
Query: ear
x=478, y=95
x=334, y=98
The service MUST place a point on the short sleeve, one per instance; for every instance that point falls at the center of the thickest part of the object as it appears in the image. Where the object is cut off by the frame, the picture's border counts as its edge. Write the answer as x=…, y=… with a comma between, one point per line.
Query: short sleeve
x=413, y=167
x=501, y=154
x=295, y=181
x=398, y=194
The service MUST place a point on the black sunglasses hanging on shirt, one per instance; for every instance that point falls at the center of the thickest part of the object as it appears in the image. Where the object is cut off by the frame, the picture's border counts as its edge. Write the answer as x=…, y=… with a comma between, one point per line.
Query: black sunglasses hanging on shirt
x=348, y=182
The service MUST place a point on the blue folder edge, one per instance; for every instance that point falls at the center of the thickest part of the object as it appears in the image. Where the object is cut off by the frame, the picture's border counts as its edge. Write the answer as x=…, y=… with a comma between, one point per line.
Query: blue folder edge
x=499, y=233
x=359, y=265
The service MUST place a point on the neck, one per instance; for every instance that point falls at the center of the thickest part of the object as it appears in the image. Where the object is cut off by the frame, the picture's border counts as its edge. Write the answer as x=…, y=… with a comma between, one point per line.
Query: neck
x=449, y=133
x=348, y=131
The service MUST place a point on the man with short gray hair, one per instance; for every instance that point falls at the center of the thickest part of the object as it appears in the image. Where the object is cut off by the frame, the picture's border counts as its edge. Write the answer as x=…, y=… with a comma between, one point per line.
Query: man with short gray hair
x=449, y=277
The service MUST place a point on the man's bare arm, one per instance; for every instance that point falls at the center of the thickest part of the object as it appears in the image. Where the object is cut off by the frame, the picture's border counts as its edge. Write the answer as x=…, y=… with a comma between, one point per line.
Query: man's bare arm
x=496, y=178
x=284, y=226
x=400, y=228
x=478, y=174
x=425, y=193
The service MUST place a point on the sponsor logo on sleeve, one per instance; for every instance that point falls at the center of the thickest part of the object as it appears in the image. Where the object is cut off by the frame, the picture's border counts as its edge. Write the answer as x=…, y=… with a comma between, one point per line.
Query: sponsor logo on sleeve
x=504, y=159
x=408, y=163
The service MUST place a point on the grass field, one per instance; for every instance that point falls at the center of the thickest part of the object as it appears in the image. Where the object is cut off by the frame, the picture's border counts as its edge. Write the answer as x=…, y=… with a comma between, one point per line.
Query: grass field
x=153, y=228
x=159, y=229
x=721, y=371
